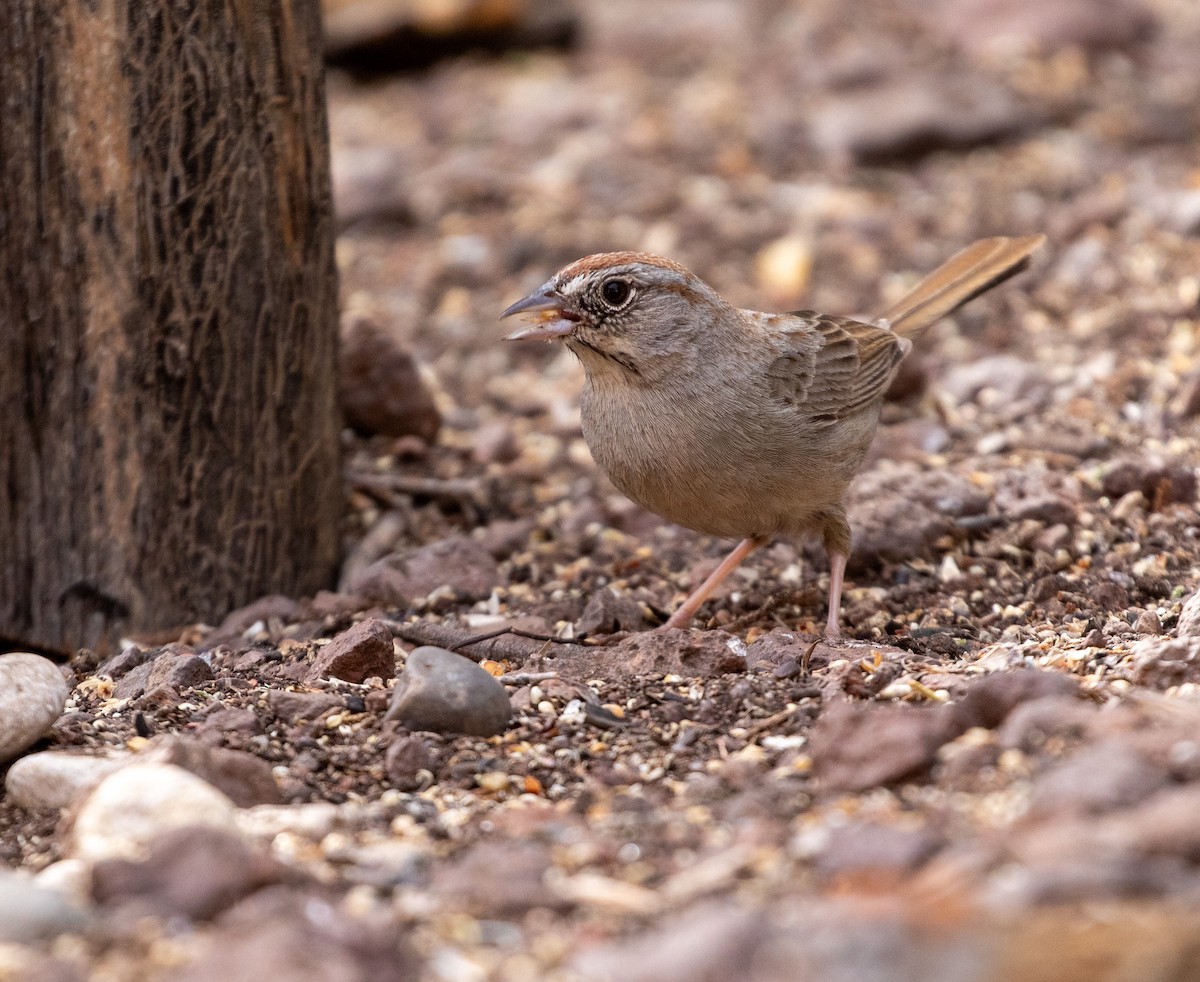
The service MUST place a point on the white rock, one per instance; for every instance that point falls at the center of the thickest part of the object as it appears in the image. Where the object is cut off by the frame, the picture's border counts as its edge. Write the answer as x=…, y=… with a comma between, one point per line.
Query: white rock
x=1166, y=661
x=313, y=820
x=130, y=808
x=29, y=912
x=782, y=268
x=54, y=778
x=32, y=695
x=1189, y=618
x=18, y=961
x=70, y=877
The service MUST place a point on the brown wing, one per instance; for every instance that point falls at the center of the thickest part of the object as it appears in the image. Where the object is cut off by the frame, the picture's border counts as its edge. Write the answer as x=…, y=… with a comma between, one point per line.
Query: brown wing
x=832, y=367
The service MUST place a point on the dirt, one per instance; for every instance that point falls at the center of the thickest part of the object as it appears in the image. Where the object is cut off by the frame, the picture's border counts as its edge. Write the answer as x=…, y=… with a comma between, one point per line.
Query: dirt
x=994, y=776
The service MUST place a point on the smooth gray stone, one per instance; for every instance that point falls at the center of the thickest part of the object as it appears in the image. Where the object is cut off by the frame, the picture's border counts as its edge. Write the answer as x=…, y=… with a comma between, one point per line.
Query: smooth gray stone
x=53, y=779
x=32, y=695
x=30, y=913
x=446, y=693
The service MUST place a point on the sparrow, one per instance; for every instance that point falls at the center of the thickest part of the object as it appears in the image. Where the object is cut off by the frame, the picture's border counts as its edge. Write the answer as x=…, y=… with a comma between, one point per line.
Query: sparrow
x=731, y=422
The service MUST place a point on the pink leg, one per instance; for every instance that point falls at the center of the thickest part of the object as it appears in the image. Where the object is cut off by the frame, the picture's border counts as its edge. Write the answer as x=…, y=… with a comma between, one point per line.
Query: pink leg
x=837, y=570
x=683, y=616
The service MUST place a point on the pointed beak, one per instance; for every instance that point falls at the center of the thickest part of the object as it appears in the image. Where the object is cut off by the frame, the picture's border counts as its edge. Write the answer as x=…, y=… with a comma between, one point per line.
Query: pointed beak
x=554, y=322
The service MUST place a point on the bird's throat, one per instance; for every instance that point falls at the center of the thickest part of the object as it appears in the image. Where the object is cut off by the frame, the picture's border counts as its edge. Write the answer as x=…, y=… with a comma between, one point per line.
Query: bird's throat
x=598, y=361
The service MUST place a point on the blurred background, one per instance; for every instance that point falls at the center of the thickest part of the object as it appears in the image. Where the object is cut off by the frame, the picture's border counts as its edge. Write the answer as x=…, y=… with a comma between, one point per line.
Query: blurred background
x=805, y=154
x=1022, y=596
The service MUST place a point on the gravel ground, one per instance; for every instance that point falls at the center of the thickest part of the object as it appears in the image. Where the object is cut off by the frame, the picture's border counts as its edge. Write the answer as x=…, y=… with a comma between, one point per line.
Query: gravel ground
x=995, y=776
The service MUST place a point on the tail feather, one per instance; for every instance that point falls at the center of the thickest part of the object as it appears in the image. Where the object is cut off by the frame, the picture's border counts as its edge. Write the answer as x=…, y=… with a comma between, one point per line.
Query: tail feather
x=961, y=278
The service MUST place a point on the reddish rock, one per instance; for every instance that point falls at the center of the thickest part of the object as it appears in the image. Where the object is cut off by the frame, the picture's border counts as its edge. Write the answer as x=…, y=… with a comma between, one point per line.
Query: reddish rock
x=1189, y=618
x=1140, y=849
x=125, y=662
x=495, y=443
x=1048, y=509
x=363, y=651
x=175, y=667
x=1165, y=824
x=327, y=604
x=989, y=700
x=901, y=513
x=1101, y=777
x=1148, y=622
x=1163, y=662
x=264, y=609
x=1032, y=723
x=1187, y=402
x=376, y=701
x=868, y=849
x=608, y=611
x=405, y=759
x=781, y=652
x=700, y=654
x=182, y=672
x=381, y=388
x=295, y=706
x=498, y=878
x=192, y=871
x=231, y=719
x=300, y=935
x=714, y=942
x=244, y=778
x=505, y=536
x=1065, y=860
x=859, y=746
x=222, y=720
x=1007, y=380
x=462, y=564
x=1161, y=481
x=983, y=26
x=907, y=117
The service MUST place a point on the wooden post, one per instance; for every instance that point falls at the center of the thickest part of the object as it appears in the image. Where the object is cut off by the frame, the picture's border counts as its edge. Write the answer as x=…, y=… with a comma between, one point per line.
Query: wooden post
x=168, y=418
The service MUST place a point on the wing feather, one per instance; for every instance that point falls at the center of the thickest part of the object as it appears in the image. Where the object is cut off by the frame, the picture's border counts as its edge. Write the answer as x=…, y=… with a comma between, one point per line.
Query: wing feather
x=832, y=367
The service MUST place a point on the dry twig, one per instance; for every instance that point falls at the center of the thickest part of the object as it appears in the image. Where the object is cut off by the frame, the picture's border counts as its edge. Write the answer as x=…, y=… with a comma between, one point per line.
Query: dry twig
x=455, y=489
x=507, y=643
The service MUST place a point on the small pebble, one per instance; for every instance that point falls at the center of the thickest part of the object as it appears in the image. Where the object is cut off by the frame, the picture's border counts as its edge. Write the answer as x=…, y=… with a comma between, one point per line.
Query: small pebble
x=405, y=761
x=1163, y=662
x=1189, y=618
x=311, y=820
x=493, y=781
x=782, y=268
x=1148, y=623
x=356, y=654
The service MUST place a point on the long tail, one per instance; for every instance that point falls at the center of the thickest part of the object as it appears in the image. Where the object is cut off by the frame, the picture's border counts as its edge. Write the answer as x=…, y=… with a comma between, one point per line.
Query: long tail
x=963, y=277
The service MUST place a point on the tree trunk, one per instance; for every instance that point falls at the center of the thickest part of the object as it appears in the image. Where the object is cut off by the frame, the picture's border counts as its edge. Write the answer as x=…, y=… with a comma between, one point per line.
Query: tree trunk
x=169, y=440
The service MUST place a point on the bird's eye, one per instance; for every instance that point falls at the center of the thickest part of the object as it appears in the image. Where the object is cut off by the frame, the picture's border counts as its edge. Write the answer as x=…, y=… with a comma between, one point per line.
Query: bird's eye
x=615, y=292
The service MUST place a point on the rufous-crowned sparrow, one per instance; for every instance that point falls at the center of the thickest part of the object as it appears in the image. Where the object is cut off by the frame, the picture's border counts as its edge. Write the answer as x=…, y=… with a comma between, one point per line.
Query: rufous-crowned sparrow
x=732, y=422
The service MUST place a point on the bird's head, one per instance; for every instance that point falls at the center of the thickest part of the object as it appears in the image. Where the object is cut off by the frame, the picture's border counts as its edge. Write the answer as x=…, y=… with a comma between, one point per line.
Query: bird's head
x=625, y=312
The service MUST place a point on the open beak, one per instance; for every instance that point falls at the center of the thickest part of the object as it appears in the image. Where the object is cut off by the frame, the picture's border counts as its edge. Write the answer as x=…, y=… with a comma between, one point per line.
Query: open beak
x=553, y=323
